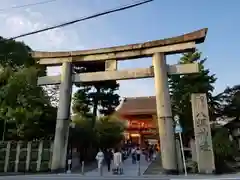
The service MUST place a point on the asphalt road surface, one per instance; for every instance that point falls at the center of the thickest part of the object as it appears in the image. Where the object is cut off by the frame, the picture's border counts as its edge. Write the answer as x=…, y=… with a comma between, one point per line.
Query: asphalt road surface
x=79, y=177
x=74, y=177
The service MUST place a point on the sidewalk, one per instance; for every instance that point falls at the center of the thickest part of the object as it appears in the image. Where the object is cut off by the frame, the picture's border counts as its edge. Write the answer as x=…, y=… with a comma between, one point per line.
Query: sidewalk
x=129, y=169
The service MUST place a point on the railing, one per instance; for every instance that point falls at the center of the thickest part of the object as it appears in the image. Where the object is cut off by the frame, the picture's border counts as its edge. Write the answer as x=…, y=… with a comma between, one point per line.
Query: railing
x=34, y=156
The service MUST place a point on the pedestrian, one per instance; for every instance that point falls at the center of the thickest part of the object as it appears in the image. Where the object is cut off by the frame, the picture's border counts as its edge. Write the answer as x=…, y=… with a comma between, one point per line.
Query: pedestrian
x=100, y=158
x=133, y=155
x=150, y=153
x=138, y=153
x=146, y=154
x=117, y=161
x=155, y=152
x=108, y=158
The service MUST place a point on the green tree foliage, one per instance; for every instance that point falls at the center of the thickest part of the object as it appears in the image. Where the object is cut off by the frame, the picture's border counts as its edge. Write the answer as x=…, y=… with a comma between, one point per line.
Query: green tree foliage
x=15, y=54
x=84, y=135
x=95, y=97
x=182, y=86
x=25, y=108
x=108, y=131
x=230, y=102
x=81, y=102
x=225, y=151
x=223, y=147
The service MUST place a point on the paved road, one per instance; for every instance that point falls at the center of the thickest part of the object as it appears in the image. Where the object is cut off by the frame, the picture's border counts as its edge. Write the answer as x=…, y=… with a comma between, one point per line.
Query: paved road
x=129, y=169
x=79, y=177
x=130, y=173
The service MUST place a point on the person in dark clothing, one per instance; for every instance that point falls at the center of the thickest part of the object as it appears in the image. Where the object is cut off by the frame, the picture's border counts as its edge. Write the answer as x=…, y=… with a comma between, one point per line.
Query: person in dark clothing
x=108, y=158
x=151, y=153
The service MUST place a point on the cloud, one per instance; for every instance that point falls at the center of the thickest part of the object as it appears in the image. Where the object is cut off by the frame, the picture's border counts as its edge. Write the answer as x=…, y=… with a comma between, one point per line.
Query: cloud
x=28, y=21
x=19, y=22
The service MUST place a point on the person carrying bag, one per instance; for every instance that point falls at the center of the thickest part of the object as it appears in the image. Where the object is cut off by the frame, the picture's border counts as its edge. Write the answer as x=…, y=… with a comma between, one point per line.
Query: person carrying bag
x=117, y=161
x=100, y=158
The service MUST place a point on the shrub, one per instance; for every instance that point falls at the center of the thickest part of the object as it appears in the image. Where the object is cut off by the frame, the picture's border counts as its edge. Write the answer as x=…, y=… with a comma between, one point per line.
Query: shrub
x=224, y=150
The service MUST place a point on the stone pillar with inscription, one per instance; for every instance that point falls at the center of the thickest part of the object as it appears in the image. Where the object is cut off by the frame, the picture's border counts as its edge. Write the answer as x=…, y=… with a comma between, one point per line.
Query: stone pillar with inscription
x=203, y=137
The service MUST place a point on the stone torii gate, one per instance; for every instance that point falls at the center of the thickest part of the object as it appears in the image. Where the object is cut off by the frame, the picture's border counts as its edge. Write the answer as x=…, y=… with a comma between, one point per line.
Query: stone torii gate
x=158, y=49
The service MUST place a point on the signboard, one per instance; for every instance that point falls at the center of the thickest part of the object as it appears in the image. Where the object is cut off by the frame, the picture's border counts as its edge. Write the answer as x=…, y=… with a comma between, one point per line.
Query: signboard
x=202, y=131
x=178, y=128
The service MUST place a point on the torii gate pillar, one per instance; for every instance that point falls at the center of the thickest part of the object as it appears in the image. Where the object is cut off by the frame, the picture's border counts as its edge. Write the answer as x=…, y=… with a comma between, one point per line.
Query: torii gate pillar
x=63, y=118
x=164, y=114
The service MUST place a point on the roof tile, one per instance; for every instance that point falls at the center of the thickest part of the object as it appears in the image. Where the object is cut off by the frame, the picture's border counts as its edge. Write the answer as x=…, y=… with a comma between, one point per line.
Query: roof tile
x=138, y=105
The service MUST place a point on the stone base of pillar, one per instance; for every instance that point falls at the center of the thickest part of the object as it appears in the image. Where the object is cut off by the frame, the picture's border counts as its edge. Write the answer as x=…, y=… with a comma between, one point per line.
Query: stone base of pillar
x=170, y=171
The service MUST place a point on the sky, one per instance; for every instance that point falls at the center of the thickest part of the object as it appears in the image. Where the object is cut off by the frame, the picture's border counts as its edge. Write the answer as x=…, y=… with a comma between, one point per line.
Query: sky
x=156, y=20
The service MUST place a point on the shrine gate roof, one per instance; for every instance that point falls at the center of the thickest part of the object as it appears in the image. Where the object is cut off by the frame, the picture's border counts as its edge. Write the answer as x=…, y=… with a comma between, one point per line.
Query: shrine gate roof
x=138, y=105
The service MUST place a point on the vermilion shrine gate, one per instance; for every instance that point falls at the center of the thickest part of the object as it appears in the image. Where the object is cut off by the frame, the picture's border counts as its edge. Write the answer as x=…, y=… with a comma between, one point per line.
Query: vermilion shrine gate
x=140, y=115
x=157, y=49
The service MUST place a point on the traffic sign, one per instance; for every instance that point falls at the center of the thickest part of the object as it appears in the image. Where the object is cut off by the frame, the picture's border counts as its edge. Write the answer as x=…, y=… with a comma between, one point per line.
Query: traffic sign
x=178, y=128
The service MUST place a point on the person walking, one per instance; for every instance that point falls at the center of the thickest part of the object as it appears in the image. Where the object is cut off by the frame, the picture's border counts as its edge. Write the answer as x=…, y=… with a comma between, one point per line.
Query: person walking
x=108, y=158
x=133, y=153
x=117, y=161
x=150, y=153
x=100, y=158
x=155, y=151
x=146, y=154
x=138, y=153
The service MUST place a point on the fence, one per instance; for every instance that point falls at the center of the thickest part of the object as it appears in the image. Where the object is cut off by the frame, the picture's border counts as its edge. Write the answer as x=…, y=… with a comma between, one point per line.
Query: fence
x=22, y=156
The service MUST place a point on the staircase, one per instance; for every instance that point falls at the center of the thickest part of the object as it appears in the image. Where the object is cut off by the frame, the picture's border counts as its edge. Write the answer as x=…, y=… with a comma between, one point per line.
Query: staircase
x=155, y=168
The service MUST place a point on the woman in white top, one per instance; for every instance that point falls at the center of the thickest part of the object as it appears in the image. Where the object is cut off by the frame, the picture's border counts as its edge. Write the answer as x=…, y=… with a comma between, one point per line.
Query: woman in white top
x=117, y=161
x=100, y=158
x=117, y=158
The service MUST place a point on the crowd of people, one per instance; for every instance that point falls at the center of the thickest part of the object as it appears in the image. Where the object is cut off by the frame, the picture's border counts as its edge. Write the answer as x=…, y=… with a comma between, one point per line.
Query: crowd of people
x=114, y=158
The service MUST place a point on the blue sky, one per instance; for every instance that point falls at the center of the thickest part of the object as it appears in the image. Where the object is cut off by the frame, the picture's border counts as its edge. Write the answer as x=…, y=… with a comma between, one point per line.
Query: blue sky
x=156, y=20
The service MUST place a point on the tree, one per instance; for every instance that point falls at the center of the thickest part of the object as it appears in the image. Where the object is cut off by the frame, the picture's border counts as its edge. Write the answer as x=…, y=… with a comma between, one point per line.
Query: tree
x=230, y=101
x=95, y=96
x=53, y=93
x=25, y=106
x=15, y=54
x=84, y=135
x=105, y=97
x=182, y=86
x=110, y=131
x=106, y=133
x=224, y=149
x=81, y=102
